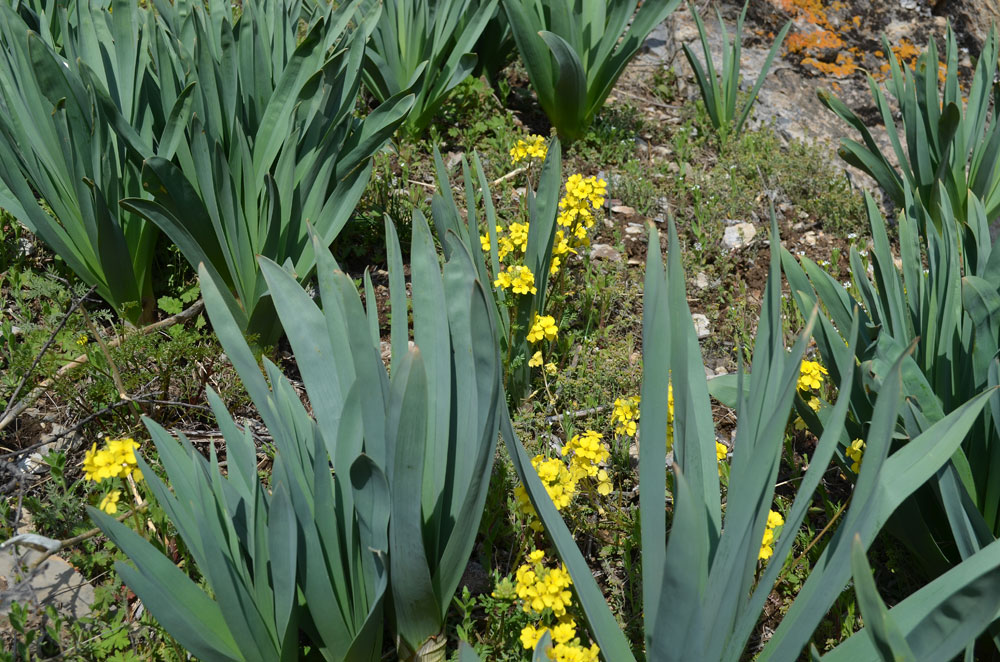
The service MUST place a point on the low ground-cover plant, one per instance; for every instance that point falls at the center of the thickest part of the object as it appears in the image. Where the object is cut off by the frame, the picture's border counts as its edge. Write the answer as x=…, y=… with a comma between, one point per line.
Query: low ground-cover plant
x=720, y=92
x=575, y=52
x=952, y=138
x=424, y=47
x=949, y=313
x=703, y=588
x=385, y=537
x=274, y=145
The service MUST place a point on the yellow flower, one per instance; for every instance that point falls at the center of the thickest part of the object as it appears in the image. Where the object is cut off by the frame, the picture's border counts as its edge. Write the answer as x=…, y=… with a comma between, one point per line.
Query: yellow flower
x=550, y=368
x=543, y=327
x=82, y=340
x=588, y=452
x=856, y=452
x=603, y=483
x=109, y=503
x=530, y=635
x=524, y=282
x=766, y=551
x=484, y=240
x=624, y=414
x=554, y=266
x=561, y=245
x=811, y=376
x=519, y=235
x=535, y=360
x=503, y=280
x=721, y=451
x=536, y=555
x=532, y=148
x=774, y=519
x=565, y=631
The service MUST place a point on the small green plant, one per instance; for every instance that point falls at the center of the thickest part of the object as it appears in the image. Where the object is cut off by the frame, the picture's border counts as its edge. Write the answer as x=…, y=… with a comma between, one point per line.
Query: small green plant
x=952, y=145
x=424, y=47
x=720, y=91
x=574, y=53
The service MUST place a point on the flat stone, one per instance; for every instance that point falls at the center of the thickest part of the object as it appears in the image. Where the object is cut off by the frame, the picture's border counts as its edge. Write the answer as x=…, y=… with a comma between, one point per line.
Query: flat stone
x=623, y=209
x=738, y=235
x=55, y=582
x=701, y=281
x=604, y=252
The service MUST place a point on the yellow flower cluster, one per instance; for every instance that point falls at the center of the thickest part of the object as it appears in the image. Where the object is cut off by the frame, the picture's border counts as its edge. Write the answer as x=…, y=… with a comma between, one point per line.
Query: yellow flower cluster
x=855, y=452
x=534, y=147
x=115, y=460
x=587, y=452
x=774, y=520
x=584, y=196
x=82, y=340
x=543, y=588
x=625, y=415
x=811, y=376
x=518, y=279
x=543, y=327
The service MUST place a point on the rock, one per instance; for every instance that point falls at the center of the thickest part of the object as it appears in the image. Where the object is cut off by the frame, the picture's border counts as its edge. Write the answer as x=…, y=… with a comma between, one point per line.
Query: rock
x=739, y=235
x=25, y=248
x=58, y=438
x=701, y=325
x=453, y=159
x=661, y=151
x=623, y=209
x=55, y=582
x=971, y=17
x=809, y=238
x=634, y=231
x=701, y=281
x=604, y=252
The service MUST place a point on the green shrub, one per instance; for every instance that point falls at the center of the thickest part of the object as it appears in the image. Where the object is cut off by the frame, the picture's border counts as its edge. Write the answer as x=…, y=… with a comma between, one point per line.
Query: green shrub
x=949, y=140
x=328, y=558
x=274, y=145
x=702, y=586
x=575, y=52
x=424, y=47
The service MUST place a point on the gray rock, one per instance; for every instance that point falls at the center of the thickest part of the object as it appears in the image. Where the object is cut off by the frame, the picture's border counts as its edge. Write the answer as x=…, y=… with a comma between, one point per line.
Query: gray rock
x=604, y=252
x=700, y=281
x=701, y=325
x=55, y=582
x=739, y=235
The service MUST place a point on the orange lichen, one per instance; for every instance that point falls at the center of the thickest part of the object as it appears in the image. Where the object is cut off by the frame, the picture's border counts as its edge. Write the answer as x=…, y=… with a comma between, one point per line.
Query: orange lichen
x=826, y=34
